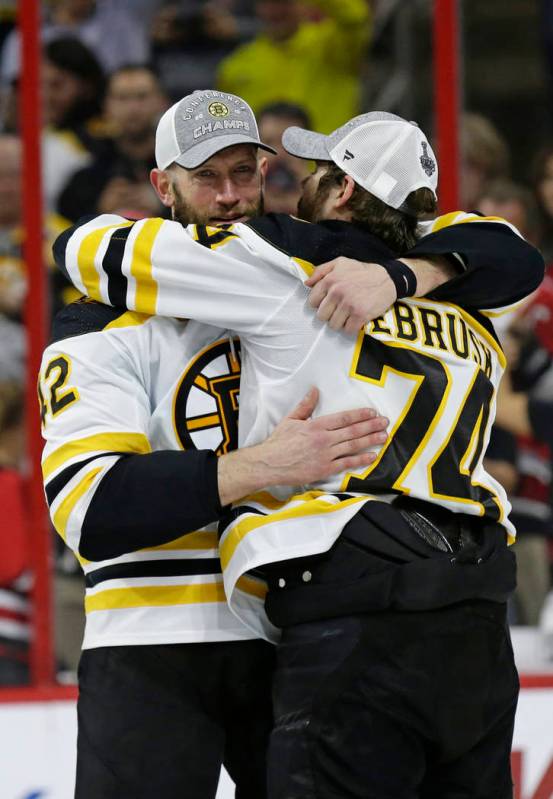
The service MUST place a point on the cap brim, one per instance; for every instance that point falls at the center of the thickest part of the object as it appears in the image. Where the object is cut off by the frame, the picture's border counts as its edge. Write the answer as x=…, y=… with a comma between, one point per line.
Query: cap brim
x=197, y=155
x=306, y=144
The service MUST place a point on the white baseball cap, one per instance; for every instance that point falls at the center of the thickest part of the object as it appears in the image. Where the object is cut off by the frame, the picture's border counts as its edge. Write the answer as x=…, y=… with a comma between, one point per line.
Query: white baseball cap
x=202, y=124
x=385, y=154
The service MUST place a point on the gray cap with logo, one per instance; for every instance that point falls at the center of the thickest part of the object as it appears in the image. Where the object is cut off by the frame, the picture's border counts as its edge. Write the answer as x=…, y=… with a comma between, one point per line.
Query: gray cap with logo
x=202, y=124
x=385, y=154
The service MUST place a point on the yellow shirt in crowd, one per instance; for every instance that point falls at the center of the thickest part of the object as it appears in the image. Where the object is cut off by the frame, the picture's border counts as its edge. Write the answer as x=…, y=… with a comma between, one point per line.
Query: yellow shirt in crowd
x=318, y=67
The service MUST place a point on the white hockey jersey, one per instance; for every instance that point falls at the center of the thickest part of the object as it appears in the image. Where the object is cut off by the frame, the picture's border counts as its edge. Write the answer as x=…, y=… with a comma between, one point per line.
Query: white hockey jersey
x=117, y=383
x=431, y=366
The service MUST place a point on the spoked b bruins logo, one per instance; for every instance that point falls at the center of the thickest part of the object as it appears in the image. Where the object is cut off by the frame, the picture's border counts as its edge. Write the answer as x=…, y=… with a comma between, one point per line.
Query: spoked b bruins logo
x=205, y=407
x=218, y=109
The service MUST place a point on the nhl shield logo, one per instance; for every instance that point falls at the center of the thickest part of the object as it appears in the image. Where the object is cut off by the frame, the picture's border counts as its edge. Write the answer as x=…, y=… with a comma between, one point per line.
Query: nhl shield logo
x=427, y=163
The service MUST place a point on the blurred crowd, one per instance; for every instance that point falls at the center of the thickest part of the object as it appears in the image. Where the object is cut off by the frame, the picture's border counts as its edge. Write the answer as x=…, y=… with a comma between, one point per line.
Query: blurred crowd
x=109, y=70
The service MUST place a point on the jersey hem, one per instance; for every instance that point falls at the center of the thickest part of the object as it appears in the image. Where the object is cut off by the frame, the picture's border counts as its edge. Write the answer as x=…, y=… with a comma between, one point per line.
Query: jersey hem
x=191, y=637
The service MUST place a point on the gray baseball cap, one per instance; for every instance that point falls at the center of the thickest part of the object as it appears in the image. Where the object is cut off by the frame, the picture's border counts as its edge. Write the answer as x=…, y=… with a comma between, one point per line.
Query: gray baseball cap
x=385, y=154
x=202, y=124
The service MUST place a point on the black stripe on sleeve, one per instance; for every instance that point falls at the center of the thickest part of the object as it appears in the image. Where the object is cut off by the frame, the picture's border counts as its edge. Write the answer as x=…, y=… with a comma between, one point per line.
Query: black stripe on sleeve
x=60, y=244
x=59, y=248
x=181, y=567
x=53, y=488
x=112, y=265
x=147, y=500
x=501, y=267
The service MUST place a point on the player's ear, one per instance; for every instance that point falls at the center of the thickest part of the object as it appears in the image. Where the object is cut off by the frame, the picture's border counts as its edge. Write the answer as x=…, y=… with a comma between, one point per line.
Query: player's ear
x=263, y=165
x=161, y=181
x=345, y=191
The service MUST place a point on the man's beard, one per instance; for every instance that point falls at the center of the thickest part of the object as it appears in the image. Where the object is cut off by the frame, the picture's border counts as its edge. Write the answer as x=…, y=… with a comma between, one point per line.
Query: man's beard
x=186, y=214
x=310, y=206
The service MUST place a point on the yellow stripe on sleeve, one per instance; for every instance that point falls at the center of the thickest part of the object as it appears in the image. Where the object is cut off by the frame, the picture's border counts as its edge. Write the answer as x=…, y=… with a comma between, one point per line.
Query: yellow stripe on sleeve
x=86, y=257
x=155, y=596
x=141, y=266
x=108, y=442
x=202, y=539
x=63, y=513
x=445, y=220
x=252, y=587
x=313, y=505
x=462, y=218
x=305, y=266
x=128, y=319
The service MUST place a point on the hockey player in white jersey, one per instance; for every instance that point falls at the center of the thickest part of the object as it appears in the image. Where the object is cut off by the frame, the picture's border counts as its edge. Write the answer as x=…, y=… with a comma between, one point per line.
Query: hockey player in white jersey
x=434, y=362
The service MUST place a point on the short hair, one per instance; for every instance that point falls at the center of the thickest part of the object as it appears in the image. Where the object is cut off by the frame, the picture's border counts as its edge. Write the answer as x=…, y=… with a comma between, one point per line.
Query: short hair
x=285, y=110
x=483, y=145
x=504, y=191
x=395, y=228
x=71, y=55
x=136, y=67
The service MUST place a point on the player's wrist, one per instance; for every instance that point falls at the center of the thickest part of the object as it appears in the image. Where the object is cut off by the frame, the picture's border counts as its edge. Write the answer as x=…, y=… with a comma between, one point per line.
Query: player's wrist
x=243, y=472
x=402, y=276
x=430, y=272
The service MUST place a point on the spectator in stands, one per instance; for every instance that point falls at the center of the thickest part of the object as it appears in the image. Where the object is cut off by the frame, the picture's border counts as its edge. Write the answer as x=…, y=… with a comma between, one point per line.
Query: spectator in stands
x=316, y=64
x=525, y=410
x=111, y=29
x=13, y=279
x=118, y=180
x=15, y=579
x=72, y=90
x=485, y=158
x=12, y=271
x=513, y=202
x=284, y=172
x=189, y=39
x=72, y=94
x=8, y=15
x=543, y=187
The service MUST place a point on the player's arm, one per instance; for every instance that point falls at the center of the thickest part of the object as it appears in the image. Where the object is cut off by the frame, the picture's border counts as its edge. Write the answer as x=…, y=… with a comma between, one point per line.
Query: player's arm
x=149, y=499
x=498, y=267
x=464, y=259
x=95, y=414
x=348, y=293
x=156, y=266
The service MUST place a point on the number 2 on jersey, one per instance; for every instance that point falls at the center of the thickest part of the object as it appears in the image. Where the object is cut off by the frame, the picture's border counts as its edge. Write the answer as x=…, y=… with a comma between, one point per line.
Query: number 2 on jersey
x=53, y=397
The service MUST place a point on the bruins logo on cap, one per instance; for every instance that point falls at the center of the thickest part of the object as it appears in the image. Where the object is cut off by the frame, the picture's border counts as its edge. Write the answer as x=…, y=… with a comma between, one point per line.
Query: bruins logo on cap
x=205, y=405
x=218, y=110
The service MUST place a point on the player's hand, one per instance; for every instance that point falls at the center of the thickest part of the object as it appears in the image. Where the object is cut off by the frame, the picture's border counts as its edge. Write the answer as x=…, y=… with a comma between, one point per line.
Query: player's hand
x=304, y=450
x=349, y=293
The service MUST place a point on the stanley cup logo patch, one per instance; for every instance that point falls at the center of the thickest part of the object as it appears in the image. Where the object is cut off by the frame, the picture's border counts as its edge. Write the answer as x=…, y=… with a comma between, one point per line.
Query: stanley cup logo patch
x=427, y=163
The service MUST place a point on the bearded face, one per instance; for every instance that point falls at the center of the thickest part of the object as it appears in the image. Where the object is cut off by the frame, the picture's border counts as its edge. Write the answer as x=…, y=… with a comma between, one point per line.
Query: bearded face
x=188, y=213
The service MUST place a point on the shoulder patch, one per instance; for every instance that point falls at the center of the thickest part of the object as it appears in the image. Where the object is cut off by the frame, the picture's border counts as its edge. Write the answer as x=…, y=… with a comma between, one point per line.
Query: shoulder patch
x=83, y=316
